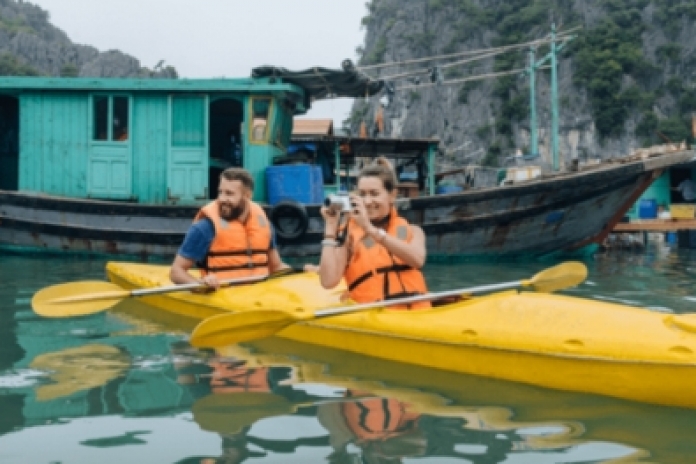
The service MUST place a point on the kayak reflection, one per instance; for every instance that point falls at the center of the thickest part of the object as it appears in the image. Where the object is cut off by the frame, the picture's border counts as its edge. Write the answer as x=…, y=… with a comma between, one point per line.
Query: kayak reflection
x=361, y=420
x=544, y=419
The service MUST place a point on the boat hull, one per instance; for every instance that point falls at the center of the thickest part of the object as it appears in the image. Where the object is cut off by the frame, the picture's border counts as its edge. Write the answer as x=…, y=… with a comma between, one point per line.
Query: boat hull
x=552, y=341
x=561, y=213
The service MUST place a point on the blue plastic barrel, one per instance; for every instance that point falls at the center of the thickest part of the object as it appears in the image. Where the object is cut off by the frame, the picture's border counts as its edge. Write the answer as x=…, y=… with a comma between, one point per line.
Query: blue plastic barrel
x=647, y=209
x=298, y=182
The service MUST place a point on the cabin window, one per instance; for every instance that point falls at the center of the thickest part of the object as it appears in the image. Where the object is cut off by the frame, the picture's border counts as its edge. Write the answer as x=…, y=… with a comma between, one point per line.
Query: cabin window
x=111, y=118
x=120, y=119
x=188, y=121
x=101, y=118
x=283, y=127
x=260, y=109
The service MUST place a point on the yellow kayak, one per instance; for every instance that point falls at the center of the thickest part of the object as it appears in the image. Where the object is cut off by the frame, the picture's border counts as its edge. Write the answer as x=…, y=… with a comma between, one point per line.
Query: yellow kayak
x=300, y=290
x=548, y=340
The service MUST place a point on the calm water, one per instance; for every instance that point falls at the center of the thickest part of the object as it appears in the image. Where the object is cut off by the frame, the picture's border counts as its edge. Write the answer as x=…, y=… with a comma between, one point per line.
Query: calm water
x=124, y=386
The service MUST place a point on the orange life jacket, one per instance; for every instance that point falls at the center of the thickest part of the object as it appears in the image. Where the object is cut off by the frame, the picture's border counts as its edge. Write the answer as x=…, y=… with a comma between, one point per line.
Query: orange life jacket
x=227, y=378
x=238, y=249
x=374, y=274
x=378, y=419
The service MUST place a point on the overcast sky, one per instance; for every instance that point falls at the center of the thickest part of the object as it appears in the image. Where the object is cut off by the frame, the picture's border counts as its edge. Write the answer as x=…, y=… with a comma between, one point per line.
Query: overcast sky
x=215, y=38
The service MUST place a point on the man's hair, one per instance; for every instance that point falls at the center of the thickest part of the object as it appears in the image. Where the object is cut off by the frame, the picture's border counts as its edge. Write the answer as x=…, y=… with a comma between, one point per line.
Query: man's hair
x=242, y=175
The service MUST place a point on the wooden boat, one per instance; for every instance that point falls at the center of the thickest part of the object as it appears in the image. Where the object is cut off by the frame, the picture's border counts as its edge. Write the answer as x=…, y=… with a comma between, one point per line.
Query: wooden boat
x=567, y=212
x=83, y=184
x=560, y=213
x=547, y=340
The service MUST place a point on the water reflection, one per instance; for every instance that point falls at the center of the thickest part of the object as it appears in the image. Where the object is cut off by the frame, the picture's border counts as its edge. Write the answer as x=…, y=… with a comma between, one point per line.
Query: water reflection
x=76, y=369
x=125, y=385
x=361, y=420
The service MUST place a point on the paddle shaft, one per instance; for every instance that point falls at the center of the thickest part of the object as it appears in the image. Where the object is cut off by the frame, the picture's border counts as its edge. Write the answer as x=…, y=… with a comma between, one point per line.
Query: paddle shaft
x=121, y=294
x=416, y=298
x=251, y=325
x=193, y=285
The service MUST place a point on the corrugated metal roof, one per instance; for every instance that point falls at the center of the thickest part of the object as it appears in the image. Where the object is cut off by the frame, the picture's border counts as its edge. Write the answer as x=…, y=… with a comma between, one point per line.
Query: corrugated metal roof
x=312, y=127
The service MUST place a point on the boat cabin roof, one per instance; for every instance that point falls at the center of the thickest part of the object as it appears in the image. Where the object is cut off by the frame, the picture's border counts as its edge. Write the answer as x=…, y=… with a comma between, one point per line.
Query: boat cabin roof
x=372, y=147
x=302, y=87
x=134, y=84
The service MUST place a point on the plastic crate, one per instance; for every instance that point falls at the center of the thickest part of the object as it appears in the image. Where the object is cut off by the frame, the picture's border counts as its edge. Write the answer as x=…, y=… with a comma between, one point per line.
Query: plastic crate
x=647, y=209
x=299, y=182
x=682, y=211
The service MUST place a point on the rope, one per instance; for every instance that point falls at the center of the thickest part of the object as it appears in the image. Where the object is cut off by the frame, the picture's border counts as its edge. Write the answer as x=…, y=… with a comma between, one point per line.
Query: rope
x=504, y=48
x=468, y=79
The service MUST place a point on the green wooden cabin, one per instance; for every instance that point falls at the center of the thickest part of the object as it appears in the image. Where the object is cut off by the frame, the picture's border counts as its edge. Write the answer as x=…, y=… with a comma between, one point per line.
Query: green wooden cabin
x=662, y=190
x=150, y=141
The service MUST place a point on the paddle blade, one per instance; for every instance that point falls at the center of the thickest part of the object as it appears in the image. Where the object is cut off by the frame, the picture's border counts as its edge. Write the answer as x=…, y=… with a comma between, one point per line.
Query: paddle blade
x=231, y=328
x=565, y=275
x=77, y=298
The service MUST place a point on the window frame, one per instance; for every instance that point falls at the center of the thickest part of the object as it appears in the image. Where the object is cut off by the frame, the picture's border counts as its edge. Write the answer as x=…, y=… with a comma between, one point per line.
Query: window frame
x=250, y=124
x=109, y=119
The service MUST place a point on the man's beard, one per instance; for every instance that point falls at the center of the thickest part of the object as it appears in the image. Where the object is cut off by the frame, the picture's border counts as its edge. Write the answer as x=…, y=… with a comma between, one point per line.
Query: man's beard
x=231, y=213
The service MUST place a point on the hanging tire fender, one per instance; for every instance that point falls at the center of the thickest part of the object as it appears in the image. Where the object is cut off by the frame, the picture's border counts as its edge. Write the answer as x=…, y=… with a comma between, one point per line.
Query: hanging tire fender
x=290, y=219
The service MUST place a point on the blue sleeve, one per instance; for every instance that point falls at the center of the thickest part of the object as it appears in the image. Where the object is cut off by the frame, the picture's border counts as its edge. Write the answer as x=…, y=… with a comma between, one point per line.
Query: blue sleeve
x=197, y=241
x=199, y=237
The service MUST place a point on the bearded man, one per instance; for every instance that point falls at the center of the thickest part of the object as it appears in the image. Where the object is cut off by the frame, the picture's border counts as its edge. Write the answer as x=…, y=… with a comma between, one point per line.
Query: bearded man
x=231, y=237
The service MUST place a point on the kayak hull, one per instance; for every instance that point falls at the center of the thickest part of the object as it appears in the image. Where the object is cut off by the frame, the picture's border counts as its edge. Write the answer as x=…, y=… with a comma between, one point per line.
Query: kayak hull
x=547, y=340
x=665, y=384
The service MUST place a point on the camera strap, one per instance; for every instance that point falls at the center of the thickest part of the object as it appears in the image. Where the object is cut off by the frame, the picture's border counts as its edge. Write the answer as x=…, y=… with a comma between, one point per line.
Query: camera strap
x=342, y=231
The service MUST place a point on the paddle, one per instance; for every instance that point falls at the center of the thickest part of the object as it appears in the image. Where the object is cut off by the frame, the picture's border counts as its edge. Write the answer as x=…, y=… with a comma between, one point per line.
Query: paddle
x=229, y=328
x=89, y=297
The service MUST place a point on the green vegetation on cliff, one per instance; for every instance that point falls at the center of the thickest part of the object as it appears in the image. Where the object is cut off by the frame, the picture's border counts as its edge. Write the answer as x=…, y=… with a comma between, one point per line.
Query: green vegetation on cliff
x=11, y=66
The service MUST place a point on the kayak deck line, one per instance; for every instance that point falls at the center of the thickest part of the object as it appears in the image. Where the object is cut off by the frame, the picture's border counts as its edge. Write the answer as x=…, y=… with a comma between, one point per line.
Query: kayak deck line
x=676, y=350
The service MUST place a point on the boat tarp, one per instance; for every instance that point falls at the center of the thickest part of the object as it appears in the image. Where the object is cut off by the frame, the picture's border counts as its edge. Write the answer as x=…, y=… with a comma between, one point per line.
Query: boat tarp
x=322, y=83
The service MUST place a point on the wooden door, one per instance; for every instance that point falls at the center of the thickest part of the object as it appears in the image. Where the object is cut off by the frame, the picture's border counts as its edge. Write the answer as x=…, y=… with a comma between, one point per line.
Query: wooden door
x=187, y=178
x=110, y=160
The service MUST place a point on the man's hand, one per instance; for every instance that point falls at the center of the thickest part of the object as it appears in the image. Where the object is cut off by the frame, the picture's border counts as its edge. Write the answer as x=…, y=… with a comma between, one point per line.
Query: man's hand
x=211, y=281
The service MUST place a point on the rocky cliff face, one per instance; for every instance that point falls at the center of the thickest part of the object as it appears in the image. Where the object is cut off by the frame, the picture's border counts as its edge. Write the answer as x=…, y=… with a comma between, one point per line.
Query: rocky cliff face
x=626, y=80
x=30, y=45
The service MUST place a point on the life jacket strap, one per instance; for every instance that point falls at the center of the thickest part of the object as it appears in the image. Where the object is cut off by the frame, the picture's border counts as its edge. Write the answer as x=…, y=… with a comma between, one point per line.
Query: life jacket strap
x=246, y=252
x=379, y=270
x=249, y=265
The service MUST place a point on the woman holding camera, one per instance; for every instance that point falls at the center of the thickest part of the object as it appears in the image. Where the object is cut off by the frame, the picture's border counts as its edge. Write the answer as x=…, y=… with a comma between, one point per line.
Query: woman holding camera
x=382, y=254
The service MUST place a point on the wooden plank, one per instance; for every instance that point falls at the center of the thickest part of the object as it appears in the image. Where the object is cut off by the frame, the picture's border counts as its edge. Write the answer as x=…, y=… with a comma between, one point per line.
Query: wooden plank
x=656, y=225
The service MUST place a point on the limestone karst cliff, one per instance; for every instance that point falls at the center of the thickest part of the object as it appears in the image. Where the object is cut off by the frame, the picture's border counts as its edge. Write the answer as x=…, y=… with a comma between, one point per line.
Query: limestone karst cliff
x=626, y=80
x=31, y=45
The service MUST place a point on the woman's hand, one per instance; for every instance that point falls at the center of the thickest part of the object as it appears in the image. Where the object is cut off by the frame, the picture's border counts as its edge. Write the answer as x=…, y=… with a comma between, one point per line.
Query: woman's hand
x=331, y=218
